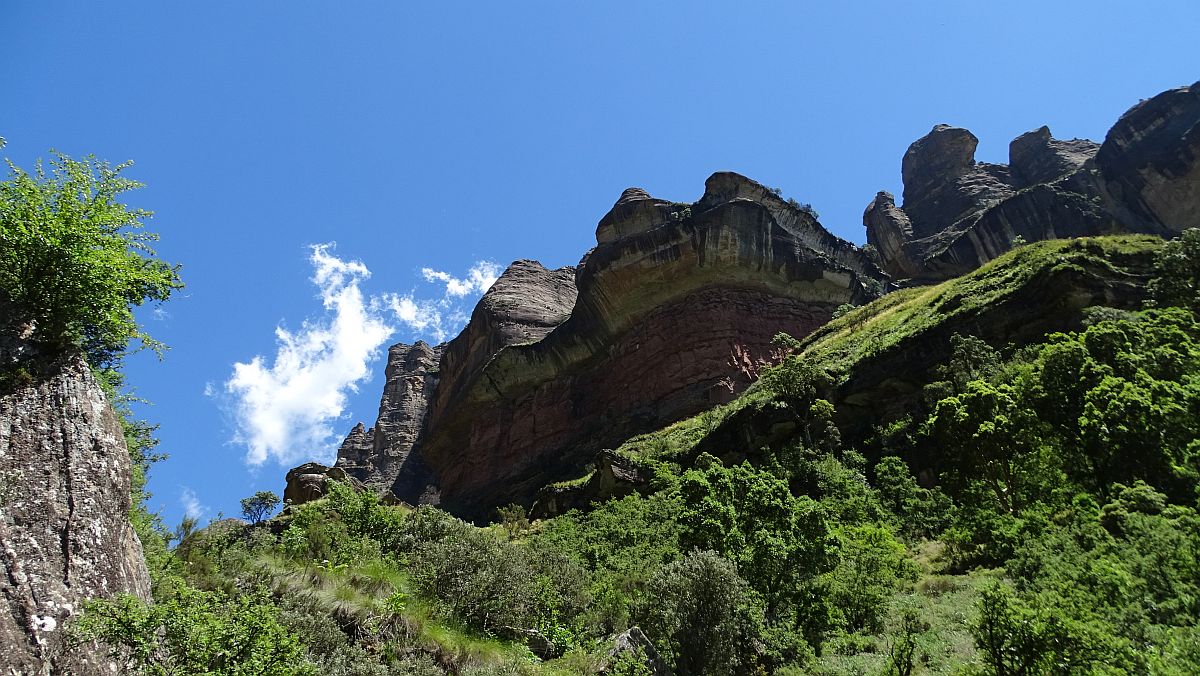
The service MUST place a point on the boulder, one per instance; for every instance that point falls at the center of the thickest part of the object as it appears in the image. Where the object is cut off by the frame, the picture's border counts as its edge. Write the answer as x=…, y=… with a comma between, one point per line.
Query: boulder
x=632, y=645
x=310, y=482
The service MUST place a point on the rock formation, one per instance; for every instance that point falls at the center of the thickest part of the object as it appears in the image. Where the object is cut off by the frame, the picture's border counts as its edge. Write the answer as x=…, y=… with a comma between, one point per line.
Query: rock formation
x=958, y=213
x=671, y=313
x=64, y=525
x=309, y=481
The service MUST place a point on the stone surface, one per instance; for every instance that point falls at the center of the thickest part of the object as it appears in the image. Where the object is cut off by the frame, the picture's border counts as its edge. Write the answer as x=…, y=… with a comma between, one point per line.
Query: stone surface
x=309, y=482
x=64, y=526
x=672, y=312
x=633, y=644
x=1037, y=157
x=1149, y=161
x=942, y=182
x=959, y=214
x=379, y=456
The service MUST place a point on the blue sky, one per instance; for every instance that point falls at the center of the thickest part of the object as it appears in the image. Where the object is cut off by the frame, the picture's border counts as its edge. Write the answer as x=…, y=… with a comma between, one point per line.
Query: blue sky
x=430, y=140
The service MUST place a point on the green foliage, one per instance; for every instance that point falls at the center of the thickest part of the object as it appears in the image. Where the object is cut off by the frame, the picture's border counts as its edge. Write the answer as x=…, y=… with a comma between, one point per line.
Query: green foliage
x=780, y=542
x=871, y=566
x=1019, y=637
x=74, y=261
x=622, y=543
x=842, y=310
x=701, y=612
x=908, y=314
x=1178, y=280
x=195, y=632
x=258, y=506
x=514, y=519
x=919, y=512
x=495, y=586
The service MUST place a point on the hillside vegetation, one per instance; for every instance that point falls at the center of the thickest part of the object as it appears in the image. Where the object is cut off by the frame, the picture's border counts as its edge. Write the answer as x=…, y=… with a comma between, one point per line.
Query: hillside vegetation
x=1053, y=528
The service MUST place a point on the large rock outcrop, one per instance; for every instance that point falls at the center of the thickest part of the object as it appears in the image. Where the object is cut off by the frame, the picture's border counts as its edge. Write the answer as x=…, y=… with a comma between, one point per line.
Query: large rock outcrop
x=64, y=526
x=672, y=312
x=958, y=213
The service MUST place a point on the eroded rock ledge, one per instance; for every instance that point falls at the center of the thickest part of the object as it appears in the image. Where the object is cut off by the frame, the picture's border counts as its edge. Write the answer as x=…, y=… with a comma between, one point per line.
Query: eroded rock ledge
x=671, y=313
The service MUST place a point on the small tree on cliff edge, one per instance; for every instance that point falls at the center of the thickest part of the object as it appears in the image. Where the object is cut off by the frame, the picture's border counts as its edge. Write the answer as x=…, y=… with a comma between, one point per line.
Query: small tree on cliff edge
x=75, y=261
x=256, y=507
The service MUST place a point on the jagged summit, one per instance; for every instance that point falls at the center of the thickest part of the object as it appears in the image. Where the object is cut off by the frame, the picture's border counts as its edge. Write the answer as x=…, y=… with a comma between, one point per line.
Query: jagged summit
x=958, y=213
x=674, y=309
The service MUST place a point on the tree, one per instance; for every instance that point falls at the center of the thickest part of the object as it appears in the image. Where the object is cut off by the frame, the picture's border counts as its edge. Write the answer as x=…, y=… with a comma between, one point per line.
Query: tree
x=1178, y=267
x=698, y=613
x=514, y=519
x=1018, y=638
x=256, y=507
x=75, y=261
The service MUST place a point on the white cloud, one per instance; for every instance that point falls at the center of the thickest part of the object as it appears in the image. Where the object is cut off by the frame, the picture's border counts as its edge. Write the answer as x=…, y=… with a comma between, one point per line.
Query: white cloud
x=479, y=278
x=284, y=410
x=441, y=318
x=191, y=504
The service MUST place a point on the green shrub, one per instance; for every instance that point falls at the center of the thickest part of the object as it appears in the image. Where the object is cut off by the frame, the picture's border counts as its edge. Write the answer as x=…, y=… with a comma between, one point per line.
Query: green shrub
x=74, y=261
x=700, y=615
x=196, y=632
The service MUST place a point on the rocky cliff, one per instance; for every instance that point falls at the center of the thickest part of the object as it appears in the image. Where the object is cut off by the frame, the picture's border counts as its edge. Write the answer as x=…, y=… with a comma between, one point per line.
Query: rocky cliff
x=671, y=313
x=958, y=213
x=64, y=527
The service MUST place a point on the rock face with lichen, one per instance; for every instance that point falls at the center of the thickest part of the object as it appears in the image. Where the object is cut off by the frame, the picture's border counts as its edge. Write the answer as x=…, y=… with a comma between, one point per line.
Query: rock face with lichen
x=672, y=312
x=64, y=525
x=958, y=213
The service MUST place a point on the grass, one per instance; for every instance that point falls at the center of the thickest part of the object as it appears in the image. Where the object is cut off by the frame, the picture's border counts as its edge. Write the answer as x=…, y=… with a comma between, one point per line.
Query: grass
x=901, y=315
x=359, y=594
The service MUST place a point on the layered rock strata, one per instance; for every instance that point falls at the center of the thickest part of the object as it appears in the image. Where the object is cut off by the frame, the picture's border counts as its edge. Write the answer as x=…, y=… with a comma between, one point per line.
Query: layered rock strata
x=672, y=312
x=958, y=213
x=64, y=518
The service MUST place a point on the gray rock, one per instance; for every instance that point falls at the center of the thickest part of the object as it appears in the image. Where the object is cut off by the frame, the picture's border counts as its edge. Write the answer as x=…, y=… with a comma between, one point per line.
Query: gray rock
x=310, y=481
x=1037, y=157
x=1150, y=162
x=958, y=214
x=380, y=456
x=633, y=644
x=64, y=526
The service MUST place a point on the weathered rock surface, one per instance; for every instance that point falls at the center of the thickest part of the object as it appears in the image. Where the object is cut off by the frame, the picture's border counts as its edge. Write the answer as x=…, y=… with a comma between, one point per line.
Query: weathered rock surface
x=379, y=456
x=1037, y=157
x=64, y=525
x=671, y=313
x=958, y=213
x=310, y=481
x=634, y=646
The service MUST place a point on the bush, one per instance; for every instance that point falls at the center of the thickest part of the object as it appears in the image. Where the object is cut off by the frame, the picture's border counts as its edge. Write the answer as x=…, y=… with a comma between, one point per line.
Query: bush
x=495, y=586
x=74, y=261
x=196, y=632
x=699, y=614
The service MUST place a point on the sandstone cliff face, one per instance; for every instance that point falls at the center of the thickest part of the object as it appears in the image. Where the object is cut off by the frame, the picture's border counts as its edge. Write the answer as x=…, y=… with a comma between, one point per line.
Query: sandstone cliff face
x=958, y=214
x=64, y=527
x=379, y=456
x=671, y=313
